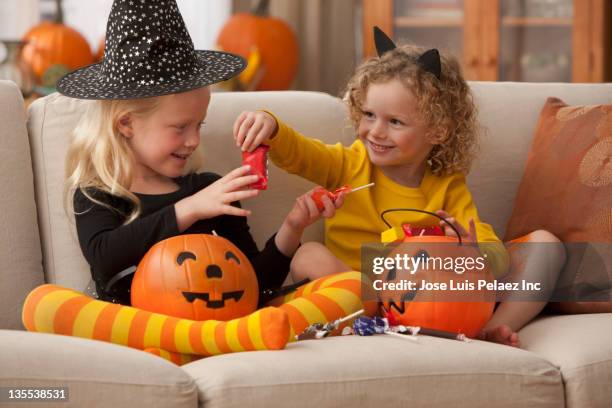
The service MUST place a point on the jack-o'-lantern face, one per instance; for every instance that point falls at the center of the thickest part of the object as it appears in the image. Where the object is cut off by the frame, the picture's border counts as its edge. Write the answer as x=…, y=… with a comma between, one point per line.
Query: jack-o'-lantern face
x=409, y=308
x=197, y=277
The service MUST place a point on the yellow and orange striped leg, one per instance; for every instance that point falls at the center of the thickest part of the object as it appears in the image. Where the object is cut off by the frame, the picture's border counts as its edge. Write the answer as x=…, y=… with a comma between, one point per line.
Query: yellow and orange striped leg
x=176, y=358
x=53, y=309
x=323, y=300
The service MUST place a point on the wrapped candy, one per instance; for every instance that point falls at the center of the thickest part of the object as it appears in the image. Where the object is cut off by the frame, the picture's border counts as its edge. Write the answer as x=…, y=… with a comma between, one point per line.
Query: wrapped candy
x=414, y=330
x=320, y=330
x=365, y=326
x=368, y=326
x=258, y=160
x=318, y=194
x=415, y=231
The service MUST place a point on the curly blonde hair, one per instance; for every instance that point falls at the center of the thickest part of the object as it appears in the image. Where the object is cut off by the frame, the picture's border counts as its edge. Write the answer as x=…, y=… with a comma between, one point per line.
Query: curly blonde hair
x=445, y=105
x=99, y=156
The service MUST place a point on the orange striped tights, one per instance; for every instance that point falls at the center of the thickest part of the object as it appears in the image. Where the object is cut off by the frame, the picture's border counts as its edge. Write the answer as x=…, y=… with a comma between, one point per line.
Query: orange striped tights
x=53, y=309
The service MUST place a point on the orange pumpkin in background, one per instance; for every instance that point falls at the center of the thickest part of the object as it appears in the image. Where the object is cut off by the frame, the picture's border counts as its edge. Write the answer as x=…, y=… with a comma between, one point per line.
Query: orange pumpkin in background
x=100, y=52
x=196, y=277
x=272, y=38
x=467, y=317
x=56, y=46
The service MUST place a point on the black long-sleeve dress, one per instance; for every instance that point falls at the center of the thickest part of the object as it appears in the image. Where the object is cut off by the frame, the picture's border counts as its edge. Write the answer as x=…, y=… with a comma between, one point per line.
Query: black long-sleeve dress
x=111, y=247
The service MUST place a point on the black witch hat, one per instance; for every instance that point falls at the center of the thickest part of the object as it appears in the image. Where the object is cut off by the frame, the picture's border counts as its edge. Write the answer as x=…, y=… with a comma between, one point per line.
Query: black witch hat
x=148, y=52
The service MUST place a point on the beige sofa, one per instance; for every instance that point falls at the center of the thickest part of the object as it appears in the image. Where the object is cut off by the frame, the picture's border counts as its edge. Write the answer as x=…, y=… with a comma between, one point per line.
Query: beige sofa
x=566, y=360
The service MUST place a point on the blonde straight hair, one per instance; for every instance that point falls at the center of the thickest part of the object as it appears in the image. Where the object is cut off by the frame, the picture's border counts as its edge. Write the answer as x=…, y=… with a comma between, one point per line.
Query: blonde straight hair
x=99, y=156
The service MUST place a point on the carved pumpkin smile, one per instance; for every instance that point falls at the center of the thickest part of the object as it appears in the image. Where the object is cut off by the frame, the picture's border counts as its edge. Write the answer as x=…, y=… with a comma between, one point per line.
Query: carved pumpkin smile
x=431, y=309
x=196, y=277
x=213, y=304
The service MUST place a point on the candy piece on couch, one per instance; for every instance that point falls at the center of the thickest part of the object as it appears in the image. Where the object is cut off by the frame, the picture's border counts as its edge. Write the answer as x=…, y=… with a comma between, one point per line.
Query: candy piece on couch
x=53, y=309
x=324, y=300
x=567, y=189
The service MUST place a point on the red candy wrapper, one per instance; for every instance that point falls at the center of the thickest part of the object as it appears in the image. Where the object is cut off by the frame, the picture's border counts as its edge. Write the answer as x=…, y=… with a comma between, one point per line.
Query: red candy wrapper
x=320, y=192
x=258, y=160
x=415, y=231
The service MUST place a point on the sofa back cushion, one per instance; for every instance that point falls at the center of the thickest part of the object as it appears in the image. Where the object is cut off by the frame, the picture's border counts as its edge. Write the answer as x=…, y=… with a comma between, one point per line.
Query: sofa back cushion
x=567, y=187
x=509, y=111
x=567, y=190
x=20, y=255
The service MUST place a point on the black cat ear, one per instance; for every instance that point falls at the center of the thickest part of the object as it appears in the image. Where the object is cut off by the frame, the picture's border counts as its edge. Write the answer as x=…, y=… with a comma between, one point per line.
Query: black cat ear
x=382, y=41
x=430, y=62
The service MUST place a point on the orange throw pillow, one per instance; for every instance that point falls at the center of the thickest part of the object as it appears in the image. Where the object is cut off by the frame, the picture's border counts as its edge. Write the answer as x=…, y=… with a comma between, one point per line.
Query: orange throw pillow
x=567, y=190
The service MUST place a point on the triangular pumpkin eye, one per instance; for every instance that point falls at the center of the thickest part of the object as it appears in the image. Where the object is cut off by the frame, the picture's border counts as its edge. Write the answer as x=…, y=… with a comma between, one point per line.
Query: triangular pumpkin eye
x=392, y=274
x=422, y=253
x=230, y=255
x=184, y=256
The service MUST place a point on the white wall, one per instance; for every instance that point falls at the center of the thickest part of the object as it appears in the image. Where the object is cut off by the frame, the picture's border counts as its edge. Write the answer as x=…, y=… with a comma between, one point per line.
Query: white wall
x=204, y=18
x=89, y=18
x=16, y=17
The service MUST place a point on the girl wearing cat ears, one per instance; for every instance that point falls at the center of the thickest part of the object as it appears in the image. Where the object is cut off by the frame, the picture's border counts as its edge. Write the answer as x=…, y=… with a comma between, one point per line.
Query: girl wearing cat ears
x=416, y=139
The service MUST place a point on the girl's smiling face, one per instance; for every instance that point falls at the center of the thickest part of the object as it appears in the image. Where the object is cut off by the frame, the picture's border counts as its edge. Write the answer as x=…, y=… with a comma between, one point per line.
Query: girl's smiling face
x=391, y=129
x=162, y=142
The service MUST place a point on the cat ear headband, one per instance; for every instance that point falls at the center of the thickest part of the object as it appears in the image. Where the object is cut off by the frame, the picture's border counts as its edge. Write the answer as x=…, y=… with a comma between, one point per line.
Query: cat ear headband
x=429, y=60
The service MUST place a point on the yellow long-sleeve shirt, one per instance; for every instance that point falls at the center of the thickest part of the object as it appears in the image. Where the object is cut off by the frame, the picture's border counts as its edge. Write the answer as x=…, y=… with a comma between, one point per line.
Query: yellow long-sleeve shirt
x=358, y=221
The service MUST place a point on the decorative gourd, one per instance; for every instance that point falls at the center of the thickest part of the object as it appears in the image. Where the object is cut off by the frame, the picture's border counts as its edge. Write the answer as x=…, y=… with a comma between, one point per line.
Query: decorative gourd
x=467, y=317
x=245, y=33
x=197, y=277
x=53, y=43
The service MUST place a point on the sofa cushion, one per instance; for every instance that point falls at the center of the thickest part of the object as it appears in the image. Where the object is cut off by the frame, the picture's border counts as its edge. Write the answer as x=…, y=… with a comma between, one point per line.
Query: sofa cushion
x=50, y=123
x=379, y=371
x=508, y=112
x=95, y=373
x=567, y=187
x=567, y=190
x=581, y=346
x=21, y=259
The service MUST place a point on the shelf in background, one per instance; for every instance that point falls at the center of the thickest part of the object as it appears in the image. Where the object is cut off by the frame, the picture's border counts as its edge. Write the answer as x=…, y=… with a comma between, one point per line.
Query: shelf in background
x=408, y=22
x=537, y=21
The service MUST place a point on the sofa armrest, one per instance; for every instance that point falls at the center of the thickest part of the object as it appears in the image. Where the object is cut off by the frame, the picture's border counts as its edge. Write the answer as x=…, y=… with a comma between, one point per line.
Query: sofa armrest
x=21, y=268
x=97, y=374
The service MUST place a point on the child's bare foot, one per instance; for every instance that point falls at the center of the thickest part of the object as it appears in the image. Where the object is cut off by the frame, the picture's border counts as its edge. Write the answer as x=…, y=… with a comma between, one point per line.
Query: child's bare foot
x=500, y=334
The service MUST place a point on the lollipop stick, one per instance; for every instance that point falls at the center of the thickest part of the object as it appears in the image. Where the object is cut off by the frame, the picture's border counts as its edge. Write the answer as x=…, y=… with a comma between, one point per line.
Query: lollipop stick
x=360, y=188
x=336, y=323
x=403, y=336
x=349, y=317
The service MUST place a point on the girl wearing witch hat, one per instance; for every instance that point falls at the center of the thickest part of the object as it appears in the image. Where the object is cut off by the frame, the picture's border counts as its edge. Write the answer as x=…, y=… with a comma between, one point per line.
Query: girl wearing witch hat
x=130, y=177
x=132, y=159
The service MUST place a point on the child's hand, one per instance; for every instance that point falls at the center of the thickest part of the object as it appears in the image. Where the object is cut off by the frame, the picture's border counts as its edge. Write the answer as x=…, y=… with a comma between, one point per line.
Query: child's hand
x=305, y=211
x=216, y=199
x=465, y=235
x=253, y=128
